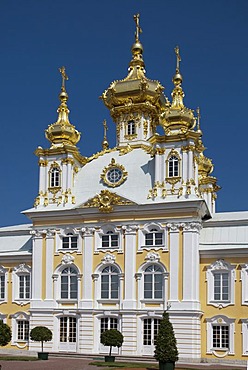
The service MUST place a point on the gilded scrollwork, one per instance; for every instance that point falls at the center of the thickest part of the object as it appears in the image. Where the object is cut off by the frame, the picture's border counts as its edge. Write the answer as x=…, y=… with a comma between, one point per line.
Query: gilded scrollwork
x=105, y=201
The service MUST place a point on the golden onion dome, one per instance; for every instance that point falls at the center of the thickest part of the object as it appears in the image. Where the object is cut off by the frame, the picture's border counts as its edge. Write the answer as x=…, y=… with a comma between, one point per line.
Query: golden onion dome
x=178, y=118
x=62, y=131
x=205, y=166
x=135, y=88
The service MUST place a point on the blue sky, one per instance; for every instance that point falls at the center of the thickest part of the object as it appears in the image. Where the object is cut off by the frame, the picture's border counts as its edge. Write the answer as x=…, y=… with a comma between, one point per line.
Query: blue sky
x=93, y=40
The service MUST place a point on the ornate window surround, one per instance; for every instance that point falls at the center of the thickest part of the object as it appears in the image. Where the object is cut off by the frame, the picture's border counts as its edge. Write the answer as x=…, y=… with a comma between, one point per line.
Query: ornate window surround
x=220, y=320
x=54, y=187
x=14, y=325
x=117, y=230
x=220, y=266
x=152, y=258
x=67, y=261
x=244, y=282
x=173, y=179
x=107, y=260
x=21, y=269
x=4, y=273
x=146, y=230
x=63, y=233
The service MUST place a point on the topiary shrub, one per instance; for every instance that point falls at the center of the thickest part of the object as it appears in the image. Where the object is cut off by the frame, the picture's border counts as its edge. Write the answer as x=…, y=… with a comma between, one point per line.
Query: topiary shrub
x=41, y=334
x=165, y=343
x=5, y=334
x=112, y=338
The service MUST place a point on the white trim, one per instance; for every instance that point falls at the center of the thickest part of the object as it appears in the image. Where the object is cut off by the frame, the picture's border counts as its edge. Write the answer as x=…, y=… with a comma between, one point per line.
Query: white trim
x=220, y=320
x=225, y=267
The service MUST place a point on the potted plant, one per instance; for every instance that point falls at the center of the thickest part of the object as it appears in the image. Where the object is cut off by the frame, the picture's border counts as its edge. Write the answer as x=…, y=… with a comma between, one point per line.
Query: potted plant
x=41, y=334
x=165, y=345
x=5, y=334
x=111, y=338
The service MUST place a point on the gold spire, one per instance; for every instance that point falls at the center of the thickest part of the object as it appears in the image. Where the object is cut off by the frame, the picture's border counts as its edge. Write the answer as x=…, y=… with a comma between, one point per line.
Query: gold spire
x=137, y=50
x=177, y=93
x=62, y=131
x=198, y=120
x=105, y=144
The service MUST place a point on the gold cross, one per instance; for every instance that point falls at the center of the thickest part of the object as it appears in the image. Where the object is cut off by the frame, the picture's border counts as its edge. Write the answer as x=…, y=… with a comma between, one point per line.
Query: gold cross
x=177, y=51
x=64, y=76
x=138, y=29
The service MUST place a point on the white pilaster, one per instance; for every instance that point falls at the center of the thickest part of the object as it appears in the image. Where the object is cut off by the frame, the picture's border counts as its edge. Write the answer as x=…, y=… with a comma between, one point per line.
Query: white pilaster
x=49, y=263
x=174, y=261
x=191, y=264
x=87, y=297
x=129, y=301
x=37, y=265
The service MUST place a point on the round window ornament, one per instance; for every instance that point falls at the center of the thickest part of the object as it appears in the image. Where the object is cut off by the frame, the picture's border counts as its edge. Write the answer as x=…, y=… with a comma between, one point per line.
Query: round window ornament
x=114, y=174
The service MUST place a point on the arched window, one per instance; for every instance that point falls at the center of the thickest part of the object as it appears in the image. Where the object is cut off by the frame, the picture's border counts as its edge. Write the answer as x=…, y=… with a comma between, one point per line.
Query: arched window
x=131, y=129
x=55, y=177
x=154, y=238
x=153, y=282
x=110, y=283
x=173, y=166
x=69, y=283
x=110, y=240
x=69, y=241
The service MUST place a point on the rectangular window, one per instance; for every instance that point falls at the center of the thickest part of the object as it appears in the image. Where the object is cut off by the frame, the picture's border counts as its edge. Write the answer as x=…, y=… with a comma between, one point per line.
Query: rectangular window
x=22, y=330
x=221, y=337
x=158, y=284
x=2, y=286
x=221, y=286
x=24, y=286
x=147, y=335
x=114, y=286
x=105, y=286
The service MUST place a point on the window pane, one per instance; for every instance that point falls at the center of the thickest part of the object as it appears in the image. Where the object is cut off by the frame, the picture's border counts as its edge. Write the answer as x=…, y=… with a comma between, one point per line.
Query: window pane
x=148, y=286
x=158, y=239
x=149, y=239
x=147, y=331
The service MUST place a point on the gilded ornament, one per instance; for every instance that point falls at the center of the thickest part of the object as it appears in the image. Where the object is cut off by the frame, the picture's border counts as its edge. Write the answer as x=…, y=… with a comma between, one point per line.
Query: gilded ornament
x=145, y=127
x=106, y=200
x=68, y=161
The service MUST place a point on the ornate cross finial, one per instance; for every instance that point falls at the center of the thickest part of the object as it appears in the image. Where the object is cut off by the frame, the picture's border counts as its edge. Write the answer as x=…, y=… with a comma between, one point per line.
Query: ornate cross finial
x=177, y=51
x=105, y=144
x=105, y=128
x=198, y=118
x=138, y=28
x=64, y=77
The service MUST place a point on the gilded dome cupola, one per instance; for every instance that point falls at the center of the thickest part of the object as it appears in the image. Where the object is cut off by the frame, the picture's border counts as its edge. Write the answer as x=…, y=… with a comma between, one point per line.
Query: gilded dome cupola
x=62, y=131
x=135, y=98
x=177, y=119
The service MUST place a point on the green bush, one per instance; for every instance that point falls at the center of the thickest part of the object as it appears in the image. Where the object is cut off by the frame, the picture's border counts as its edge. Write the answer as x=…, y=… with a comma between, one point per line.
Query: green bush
x=5, y=334
x=41, y=334
x=165, y=344
x=112, y=338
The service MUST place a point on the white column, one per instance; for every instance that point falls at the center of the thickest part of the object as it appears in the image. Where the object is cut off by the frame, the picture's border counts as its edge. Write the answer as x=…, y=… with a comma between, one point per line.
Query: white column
x=185, y=166
x=42, y=178
x=190, y=164
x=191, y=264
x=37, y=265
x=87, y=297
x=64, y=176
x=49, y=263
x=157, y=166
x=129, y=301
x=174, y=261
x=138, y=277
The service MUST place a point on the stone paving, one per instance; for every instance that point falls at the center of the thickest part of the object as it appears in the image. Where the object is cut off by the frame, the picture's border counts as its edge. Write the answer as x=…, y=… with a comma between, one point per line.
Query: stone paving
x=59, y=363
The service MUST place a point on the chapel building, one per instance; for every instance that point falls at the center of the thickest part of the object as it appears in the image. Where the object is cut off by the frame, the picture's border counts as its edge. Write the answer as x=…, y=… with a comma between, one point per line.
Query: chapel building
x=117, y=238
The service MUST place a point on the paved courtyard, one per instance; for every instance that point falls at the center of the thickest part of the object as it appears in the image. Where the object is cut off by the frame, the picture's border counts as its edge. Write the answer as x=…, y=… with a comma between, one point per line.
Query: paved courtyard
x=83, y=364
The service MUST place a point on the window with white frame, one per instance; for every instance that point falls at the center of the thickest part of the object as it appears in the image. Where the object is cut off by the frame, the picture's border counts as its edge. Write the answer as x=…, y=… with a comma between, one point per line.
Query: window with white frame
x=69, y=283
x=108, y=323
x=3, y=282
x=220, y=334
x=24, y=286
x=21, y=276
x=70, y=241
x=150, y=331
x=55, y=177
x=154, y=238
x=110, y=282
x=131, y=128
x=110, y=240
x=173, y=166
x=221, y=283
x=153, y=282
x=22, y=330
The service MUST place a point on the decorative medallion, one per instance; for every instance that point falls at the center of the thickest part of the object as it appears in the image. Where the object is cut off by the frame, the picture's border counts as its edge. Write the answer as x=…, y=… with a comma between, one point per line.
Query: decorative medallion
x=114, y=174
